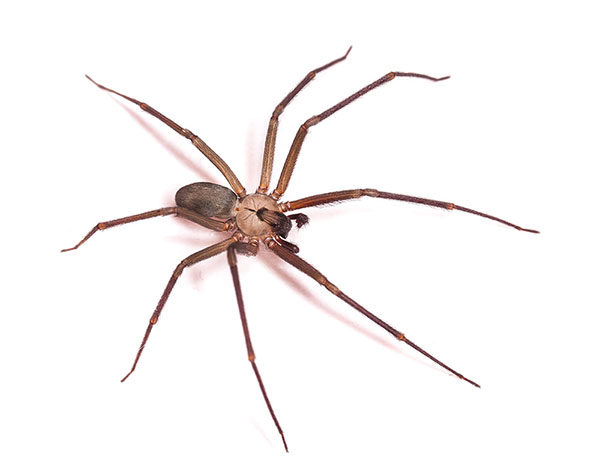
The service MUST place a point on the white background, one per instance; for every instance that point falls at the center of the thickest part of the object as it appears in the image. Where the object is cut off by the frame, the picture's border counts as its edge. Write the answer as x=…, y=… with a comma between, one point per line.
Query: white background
x=513, y=133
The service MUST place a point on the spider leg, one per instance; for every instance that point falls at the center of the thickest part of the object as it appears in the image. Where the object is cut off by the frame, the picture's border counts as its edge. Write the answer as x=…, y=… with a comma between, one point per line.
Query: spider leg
x=197, y=141
x=231, y=258
x=190, y=260
x=290, y=161
x=267, y=166
x=337, y=196
x=311, y=271
x=179, y=211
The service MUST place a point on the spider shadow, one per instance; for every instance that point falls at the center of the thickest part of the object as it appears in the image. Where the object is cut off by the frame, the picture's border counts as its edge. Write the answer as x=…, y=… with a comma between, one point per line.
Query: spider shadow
x=172, y=149
x=271, y=261
x=282, y=273
x=255, y=135
x=195, y=242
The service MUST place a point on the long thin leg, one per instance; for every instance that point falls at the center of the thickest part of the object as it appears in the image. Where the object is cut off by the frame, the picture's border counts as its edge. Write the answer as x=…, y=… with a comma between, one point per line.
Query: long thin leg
x=267, y=166
x=179, y=211
x=190, y=260
x=309, y=270
x=197, y=141
x=337, y=196
x=290, y=162
x=249, y=249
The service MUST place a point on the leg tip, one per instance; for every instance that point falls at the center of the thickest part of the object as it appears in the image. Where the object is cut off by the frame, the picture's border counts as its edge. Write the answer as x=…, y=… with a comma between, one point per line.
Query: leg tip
x=284, y=443
x=475, y=384
x=91, y=79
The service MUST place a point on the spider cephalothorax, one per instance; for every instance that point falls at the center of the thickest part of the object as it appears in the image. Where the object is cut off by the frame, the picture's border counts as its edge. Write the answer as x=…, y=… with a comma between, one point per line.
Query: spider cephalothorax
x=260, y=217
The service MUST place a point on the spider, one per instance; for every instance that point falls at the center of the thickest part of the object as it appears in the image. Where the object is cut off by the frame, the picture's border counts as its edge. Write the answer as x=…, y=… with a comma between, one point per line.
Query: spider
x=259, y=218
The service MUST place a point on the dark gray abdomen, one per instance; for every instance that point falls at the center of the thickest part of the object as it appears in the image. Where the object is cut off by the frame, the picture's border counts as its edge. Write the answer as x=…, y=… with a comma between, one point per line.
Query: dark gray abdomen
x=207, y=199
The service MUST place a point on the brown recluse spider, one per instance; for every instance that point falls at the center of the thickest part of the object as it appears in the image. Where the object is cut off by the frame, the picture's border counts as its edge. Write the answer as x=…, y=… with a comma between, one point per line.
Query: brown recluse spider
x=260, y=217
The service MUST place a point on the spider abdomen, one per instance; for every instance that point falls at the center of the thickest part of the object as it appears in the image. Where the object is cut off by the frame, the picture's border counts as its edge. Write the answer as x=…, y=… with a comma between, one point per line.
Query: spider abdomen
x=207, y=199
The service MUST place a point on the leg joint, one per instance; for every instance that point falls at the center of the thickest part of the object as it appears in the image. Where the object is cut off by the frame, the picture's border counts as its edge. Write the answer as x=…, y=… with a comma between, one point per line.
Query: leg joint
x=311, y=122
x=369, y=192
x=277, y=112
x=330, y=287
x=178, y=270
x=189, y=135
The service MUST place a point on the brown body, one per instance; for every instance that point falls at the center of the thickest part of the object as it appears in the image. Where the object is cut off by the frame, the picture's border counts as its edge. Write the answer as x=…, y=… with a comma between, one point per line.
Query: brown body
x=259, y=217
x=246, y=215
